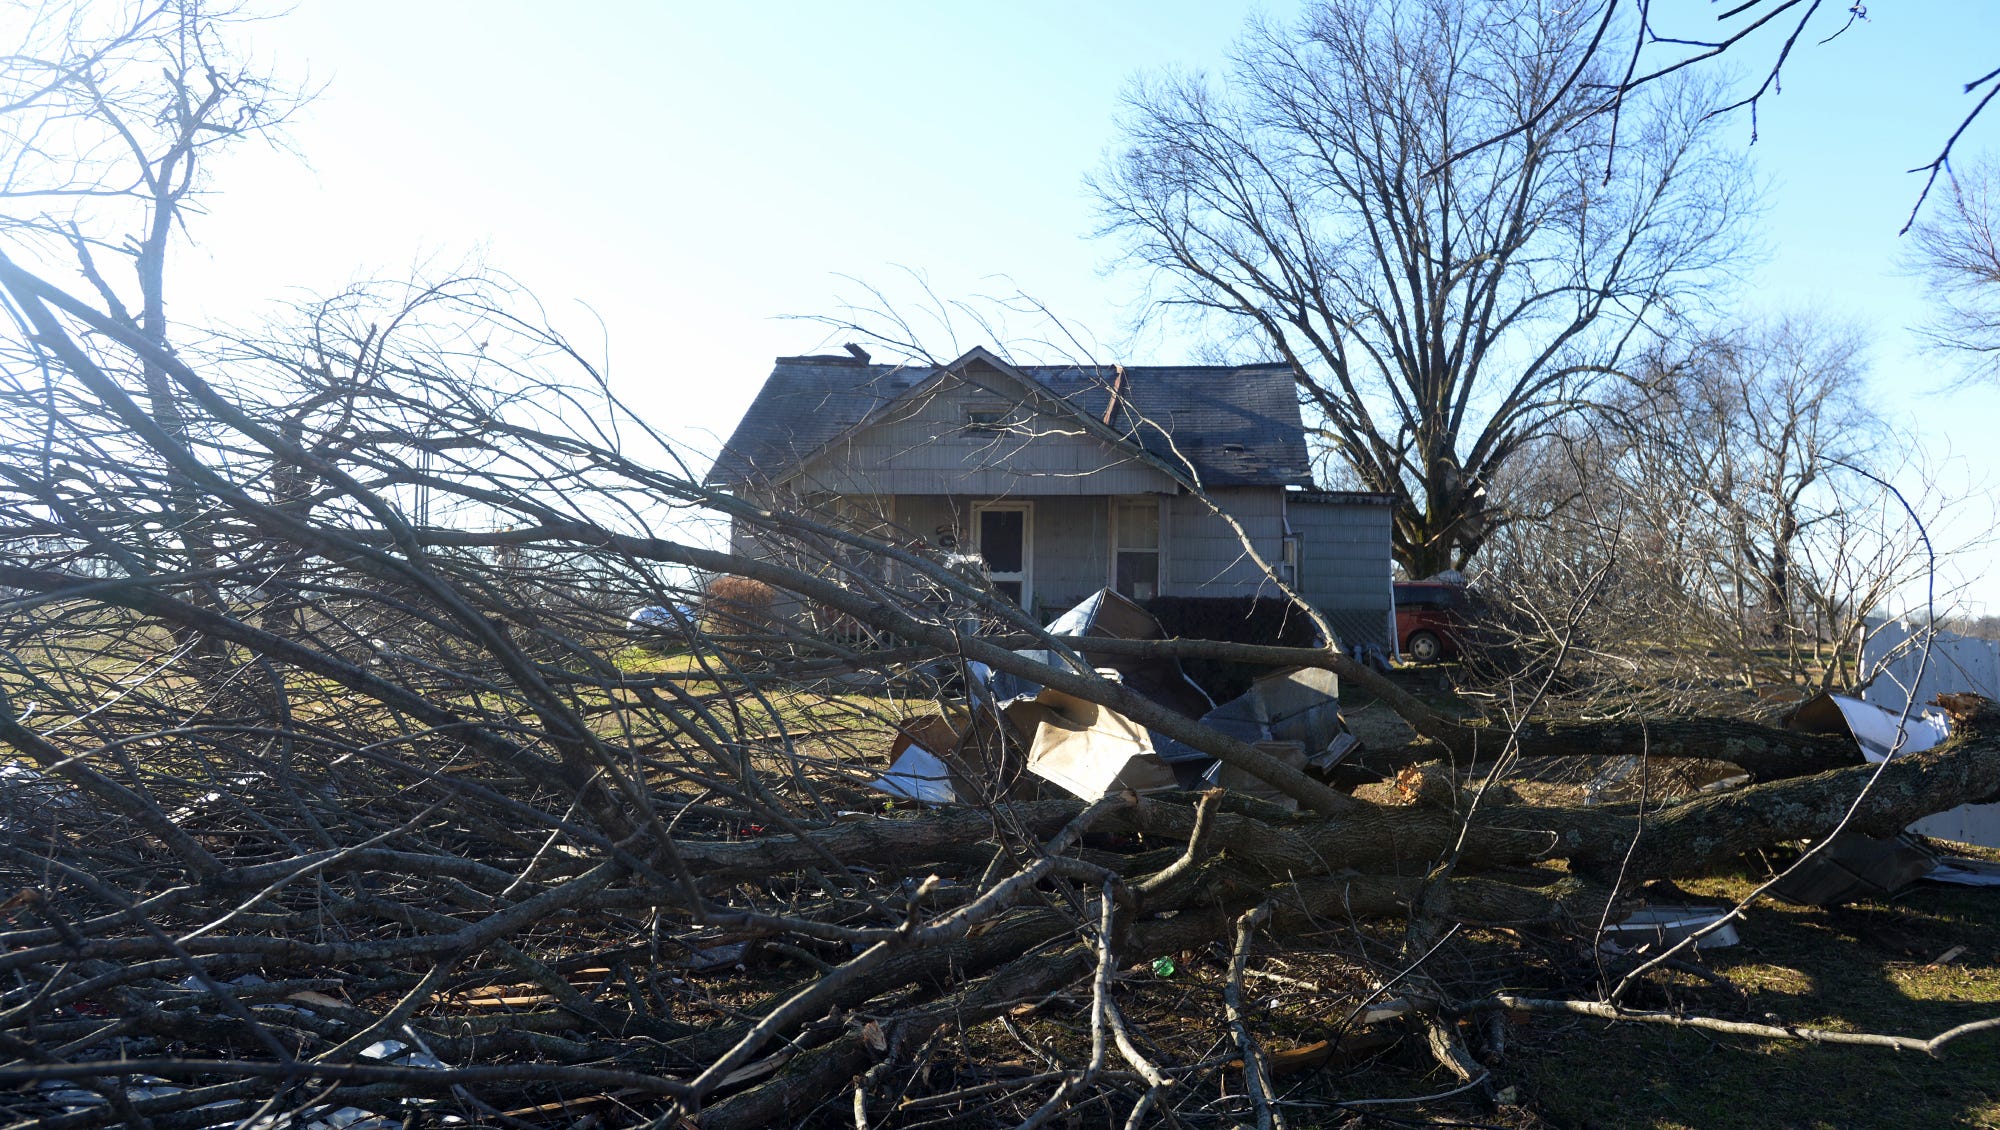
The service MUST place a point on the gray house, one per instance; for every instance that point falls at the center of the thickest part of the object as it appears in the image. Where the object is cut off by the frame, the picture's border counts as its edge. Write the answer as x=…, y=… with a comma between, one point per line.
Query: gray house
x=1069, y=479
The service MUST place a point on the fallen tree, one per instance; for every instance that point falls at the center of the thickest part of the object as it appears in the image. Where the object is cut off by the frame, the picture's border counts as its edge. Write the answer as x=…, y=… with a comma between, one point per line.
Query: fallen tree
x=447, y=832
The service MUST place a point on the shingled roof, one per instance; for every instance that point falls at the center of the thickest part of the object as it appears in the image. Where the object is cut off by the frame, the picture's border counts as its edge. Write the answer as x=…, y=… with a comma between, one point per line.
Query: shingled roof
x=1234, y=425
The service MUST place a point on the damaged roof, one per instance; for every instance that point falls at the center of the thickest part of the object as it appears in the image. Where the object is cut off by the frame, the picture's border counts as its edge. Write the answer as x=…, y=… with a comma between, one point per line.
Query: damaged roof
x=1232, y=425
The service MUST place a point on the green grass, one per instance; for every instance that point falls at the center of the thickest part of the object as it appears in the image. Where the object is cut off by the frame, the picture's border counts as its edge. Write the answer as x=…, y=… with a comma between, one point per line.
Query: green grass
x=635, y=660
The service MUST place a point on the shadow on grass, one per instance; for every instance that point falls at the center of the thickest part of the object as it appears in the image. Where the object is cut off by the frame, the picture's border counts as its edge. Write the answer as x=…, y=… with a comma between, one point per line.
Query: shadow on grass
x=1859, y=968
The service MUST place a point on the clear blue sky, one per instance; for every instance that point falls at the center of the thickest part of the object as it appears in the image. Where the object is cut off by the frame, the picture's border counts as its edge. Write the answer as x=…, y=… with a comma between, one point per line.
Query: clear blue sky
x=695, y=172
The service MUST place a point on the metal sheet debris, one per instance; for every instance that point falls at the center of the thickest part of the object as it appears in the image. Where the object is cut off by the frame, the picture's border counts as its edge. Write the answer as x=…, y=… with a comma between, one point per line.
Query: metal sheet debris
x=951, y=758
x=1965, y=872
x=917, y=774
x=1906, y=660
x=1238, y=781
x=403, y=1055
x=1107, y=615
x=1855, y=866
x=1093, y=751
x=1875, y=728
x=26, y=793
x=1663, y=925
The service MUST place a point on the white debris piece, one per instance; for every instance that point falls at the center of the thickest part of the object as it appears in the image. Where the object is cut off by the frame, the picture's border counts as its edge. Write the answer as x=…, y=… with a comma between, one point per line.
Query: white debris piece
x=1965, y=872
x=1663, y=926
x=1875, y=731
x=917, y=775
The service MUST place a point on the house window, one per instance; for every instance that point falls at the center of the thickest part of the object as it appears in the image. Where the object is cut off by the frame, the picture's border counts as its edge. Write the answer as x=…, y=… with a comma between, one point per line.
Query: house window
x=1288, y=564
x=1135, y=547
x=984, y=421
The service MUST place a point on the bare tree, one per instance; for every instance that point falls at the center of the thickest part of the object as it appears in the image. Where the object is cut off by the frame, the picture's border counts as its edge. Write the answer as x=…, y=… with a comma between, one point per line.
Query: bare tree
x=1635, y=43
x=1957, y=253
x=463, y=841
x=1736, y=488
x=1442, y=302
x=113, y=116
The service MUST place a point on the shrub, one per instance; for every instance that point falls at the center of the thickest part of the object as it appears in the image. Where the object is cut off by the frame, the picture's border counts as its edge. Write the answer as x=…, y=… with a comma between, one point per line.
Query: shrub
x=734, y=606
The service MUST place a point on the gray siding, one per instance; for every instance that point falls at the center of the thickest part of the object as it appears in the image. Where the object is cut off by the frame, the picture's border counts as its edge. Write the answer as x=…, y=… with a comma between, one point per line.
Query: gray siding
x=1072, y=550
x=924, y=448
x=1072, y=554
x=1205, y=557
x=1071, y=540
x=932, y=517
x=1345, y=565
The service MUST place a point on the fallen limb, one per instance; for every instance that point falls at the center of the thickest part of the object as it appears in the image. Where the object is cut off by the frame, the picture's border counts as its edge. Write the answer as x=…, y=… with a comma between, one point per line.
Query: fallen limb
x=1256, y=1069
x=1604, y=1011
x=1765, y=752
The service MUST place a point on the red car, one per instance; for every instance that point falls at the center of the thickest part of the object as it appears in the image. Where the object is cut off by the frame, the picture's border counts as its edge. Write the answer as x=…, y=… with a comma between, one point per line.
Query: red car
x=1429, y=617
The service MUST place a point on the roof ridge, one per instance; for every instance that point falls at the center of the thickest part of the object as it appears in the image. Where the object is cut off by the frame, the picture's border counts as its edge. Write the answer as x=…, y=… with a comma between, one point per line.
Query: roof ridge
x=824, y=359
x=1109, y=366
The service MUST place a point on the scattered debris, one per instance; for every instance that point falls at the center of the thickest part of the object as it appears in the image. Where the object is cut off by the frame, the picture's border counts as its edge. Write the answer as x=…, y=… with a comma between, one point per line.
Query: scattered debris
x=1090, y=750
x=26, y=793
x=915, y=773
x=665, y=623
x=1107, y=615
x=1874, y=728
x=1297, y=704
x=945, y=759
x=403, y=1055
x=73, y=1098
x=1239, y=781
x=1906, y=661
x=1854, y=865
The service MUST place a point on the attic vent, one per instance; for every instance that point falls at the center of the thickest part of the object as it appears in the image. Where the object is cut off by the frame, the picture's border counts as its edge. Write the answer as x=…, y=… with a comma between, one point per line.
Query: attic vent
x=1233, y=448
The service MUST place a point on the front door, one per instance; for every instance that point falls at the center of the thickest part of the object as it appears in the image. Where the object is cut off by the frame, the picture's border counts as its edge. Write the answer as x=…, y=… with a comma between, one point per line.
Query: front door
x=1004, y=535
